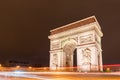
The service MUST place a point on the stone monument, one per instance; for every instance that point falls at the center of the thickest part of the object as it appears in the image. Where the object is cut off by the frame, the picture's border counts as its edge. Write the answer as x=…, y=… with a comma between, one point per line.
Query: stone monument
x=84, y=36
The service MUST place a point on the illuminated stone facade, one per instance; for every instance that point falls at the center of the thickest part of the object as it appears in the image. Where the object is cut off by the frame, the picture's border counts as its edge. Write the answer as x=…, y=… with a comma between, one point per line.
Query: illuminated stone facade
x=84, y=36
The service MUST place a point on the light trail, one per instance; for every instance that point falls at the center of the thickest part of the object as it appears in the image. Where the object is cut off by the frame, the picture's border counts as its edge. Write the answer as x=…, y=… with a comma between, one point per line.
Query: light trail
x=37, y=75
x=21, y=75
x=112, y=65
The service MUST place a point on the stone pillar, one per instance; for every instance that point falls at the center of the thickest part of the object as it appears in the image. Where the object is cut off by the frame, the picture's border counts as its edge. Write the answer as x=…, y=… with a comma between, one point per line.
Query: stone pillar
x=101, y=62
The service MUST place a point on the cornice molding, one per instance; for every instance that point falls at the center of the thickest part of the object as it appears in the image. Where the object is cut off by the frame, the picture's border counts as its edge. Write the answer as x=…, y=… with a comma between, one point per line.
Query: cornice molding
x=85, y=28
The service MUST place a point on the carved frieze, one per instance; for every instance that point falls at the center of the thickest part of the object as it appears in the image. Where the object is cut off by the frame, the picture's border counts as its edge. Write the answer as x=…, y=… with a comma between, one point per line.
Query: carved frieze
x=86, y=38
x=55, y=45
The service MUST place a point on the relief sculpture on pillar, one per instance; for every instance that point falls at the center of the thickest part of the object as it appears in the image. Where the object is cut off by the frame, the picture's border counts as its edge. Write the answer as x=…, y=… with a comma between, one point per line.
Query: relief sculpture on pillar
x=55, y=60
x=86, y=56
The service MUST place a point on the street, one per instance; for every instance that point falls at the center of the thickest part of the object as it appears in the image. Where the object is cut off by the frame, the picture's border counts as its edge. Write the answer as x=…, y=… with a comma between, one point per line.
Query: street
x=59, y=76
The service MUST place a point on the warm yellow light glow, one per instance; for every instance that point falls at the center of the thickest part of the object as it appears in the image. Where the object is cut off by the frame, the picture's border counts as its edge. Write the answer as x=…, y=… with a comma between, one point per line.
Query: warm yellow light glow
x=30, y=67
x=0, y=65
x=17, y=67
x=108, y=69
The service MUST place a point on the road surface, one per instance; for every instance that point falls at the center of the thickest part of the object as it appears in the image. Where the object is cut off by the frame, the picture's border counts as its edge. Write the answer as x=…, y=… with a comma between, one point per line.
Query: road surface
x=58, y=76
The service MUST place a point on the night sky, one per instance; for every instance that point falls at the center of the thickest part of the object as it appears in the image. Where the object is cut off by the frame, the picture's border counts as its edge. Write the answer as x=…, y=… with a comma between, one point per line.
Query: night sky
x=25, y=26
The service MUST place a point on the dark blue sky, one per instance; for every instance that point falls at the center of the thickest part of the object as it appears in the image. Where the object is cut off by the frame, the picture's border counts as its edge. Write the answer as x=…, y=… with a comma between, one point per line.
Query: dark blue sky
x=25, y=26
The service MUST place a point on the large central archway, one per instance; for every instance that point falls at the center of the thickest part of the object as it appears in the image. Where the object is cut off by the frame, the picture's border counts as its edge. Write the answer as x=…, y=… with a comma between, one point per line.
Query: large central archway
x=69, y=49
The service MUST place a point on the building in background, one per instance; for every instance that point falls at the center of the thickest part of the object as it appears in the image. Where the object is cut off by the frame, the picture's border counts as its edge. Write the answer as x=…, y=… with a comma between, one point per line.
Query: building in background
x=13, y=63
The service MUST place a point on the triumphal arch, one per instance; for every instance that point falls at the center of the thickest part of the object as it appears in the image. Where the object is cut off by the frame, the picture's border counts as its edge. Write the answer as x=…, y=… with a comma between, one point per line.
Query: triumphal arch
x=77, y=44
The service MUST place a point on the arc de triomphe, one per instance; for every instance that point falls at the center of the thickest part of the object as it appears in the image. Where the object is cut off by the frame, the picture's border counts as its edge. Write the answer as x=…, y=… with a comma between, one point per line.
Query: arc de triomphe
x=82, y=38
